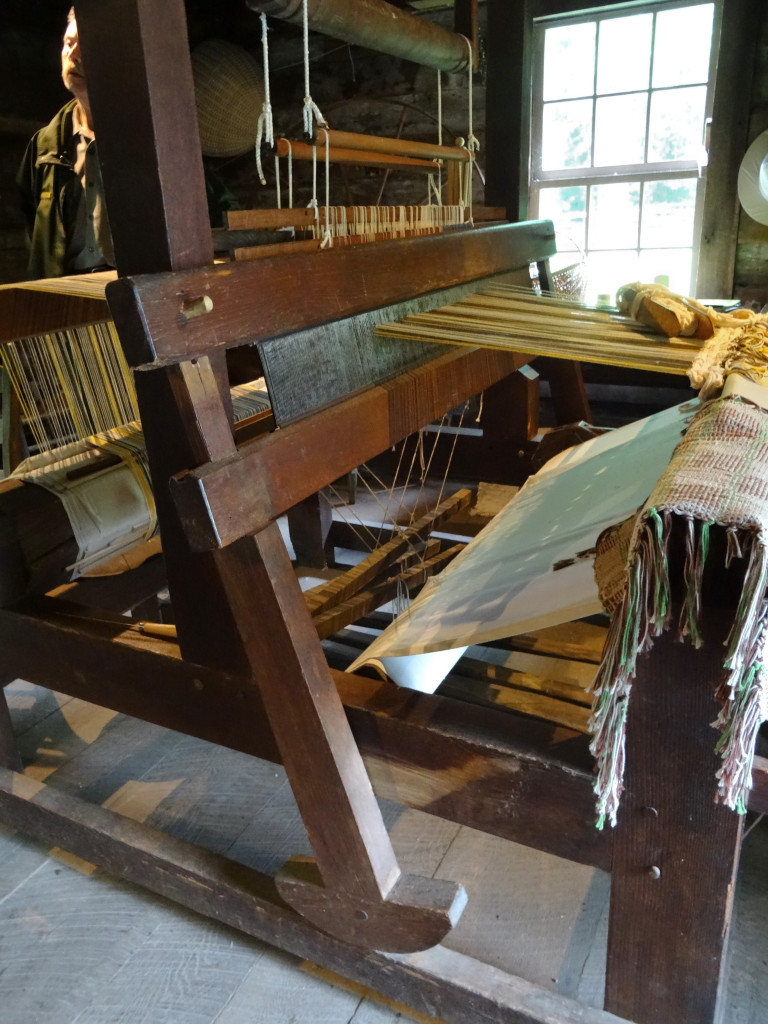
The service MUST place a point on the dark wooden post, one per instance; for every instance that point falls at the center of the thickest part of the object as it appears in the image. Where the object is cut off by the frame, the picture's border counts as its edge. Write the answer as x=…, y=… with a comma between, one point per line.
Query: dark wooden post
x=9, y=752
x=675, y=850
x=508, y=107
x=239, y=609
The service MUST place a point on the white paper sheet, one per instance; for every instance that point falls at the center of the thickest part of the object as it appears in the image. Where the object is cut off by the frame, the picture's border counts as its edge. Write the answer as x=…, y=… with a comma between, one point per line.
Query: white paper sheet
x=531, y=567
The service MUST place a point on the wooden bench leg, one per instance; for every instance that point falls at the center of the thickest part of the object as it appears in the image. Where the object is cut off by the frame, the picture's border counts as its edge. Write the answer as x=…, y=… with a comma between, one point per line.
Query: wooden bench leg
x=675, y=850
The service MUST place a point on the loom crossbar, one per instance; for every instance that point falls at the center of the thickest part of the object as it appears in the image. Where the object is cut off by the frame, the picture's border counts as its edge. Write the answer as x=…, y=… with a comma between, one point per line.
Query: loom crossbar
x=273, y=296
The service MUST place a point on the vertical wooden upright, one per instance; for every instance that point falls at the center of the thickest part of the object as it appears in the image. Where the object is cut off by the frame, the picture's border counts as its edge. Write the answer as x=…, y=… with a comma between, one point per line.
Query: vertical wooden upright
x=239, y=609
x=9, y=752
x=675, y=850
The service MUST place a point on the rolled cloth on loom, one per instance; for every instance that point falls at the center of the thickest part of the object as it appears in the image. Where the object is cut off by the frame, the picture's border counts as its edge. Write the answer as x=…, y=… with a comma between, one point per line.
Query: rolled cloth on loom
x=717, y=480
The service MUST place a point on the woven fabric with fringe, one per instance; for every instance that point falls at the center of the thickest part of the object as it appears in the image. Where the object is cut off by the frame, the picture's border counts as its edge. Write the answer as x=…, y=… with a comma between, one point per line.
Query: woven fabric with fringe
x=717, y=479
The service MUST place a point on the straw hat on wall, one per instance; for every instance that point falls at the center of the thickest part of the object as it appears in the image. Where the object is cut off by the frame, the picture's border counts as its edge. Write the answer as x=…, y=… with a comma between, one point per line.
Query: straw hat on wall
x=229, y=93
x=753, y=180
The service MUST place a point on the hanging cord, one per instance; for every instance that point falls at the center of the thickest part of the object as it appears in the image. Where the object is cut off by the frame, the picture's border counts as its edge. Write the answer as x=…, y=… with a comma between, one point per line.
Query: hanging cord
x=312, y=204
x=439, y=139
x=449, y=461
x=277, y=182
x=473, y=145
x=311, y=109
x=265, y=131
x=327, y=241
x=290, y=175
x=368, y=542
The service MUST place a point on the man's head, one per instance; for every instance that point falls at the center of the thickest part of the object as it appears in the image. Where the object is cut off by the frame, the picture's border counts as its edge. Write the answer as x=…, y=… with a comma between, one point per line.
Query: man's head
x=71, y=64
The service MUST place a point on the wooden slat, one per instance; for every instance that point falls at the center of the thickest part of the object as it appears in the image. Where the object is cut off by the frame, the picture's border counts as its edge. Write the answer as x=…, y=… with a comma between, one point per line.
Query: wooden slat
x=353, y=157
x=330, y=621
x=24, y=311
x=328, y=594
x=581, y=641
x=406, y=147
x=281, y=294
x=458, y=988
x=261, y=483
x=309, y=245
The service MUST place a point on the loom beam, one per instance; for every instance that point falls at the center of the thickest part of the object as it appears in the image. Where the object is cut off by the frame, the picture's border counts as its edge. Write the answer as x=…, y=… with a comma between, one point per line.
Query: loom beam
x=378, y=26
x=353, y=157
x=402, y=147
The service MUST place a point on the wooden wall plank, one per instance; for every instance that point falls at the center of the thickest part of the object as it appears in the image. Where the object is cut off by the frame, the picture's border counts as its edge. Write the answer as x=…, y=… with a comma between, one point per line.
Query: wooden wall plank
x=728, y=143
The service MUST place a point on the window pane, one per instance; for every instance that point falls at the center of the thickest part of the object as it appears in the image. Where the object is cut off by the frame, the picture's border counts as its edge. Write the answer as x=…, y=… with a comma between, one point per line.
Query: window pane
x=569, y=61
x=674, y=264
x=613, y=216
x=624, y=54
x=566, y=135
x=566, y=208
x=668, y=209
x=608, y=271
x=681, y=50
x=676, y=125
x=620, y=129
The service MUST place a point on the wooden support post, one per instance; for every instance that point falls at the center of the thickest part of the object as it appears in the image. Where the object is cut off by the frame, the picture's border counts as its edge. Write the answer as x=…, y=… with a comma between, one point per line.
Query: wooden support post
x=13, y=444
x=9, y=751
x=566, y=382
x=507, y=116
x=465, y=23
x=241, y=609
x=511, y=408
x=675, y=850
x=309, y=524
x=566, y=385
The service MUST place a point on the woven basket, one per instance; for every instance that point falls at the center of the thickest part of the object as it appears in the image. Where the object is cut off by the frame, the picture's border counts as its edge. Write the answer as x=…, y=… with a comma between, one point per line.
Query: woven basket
x=571, y=282
x=229, y=94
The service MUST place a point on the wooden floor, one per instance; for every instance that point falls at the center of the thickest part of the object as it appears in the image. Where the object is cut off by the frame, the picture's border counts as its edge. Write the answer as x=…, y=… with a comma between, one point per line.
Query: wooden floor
x=79, y=946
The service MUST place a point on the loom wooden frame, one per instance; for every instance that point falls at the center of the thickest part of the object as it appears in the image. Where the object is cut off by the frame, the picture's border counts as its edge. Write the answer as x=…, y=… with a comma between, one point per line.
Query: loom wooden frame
x=653, y=972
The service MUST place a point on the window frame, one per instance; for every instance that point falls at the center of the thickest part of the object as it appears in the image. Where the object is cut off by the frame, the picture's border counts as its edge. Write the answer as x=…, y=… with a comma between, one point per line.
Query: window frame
x=636, y=173
x=508, y=103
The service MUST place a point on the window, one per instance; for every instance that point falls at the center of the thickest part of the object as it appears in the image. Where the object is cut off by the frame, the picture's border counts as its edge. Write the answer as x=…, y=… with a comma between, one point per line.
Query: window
x=621, y=98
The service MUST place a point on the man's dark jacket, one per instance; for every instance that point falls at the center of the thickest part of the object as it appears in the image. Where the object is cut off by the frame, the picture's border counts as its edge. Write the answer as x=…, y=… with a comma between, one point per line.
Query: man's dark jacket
x=50, y=193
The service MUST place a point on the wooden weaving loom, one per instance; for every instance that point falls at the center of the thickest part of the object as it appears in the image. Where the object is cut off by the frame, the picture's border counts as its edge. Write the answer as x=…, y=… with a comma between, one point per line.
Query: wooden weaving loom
x=247, y=670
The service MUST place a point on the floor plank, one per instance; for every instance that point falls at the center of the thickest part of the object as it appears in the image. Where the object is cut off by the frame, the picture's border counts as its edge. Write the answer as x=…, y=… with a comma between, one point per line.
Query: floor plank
x=522, y=904
x=101, y=951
